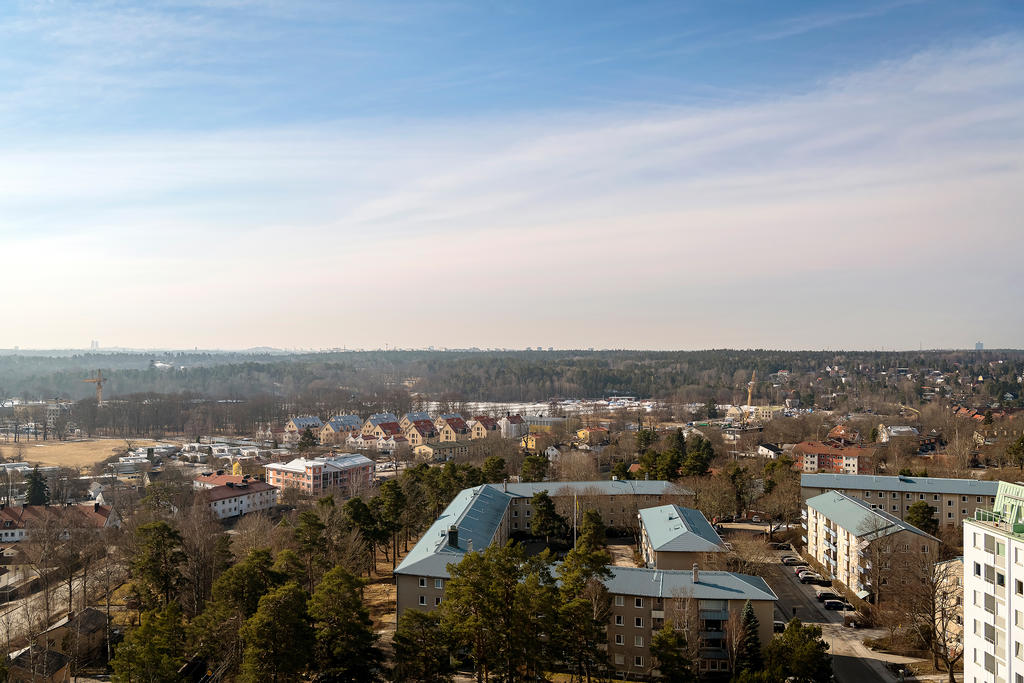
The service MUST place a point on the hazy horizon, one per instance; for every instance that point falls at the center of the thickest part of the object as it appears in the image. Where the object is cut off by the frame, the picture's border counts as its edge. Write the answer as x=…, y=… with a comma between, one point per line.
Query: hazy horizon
x=188, y=174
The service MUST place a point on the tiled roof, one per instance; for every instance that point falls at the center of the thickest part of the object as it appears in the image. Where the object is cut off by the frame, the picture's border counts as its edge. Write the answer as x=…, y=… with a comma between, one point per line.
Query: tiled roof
x=859, y=518
x=392, y=428
x=971, y=487
x=89, y=515
x=234, y=491
x=676, y=529
x=212, y=479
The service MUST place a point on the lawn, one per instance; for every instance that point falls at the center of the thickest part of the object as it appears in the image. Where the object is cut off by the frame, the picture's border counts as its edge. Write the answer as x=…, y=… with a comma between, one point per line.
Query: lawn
x=68, y=453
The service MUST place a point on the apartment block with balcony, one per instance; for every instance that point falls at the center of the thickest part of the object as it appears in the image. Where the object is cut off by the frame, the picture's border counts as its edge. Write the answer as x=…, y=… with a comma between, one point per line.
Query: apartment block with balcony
x=993, y=587
x=953, y=499
x=862, y=547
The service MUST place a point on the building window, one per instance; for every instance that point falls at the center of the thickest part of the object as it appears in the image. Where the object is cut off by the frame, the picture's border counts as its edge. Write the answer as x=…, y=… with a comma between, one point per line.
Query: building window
x=619, y=601
x=423, y=582
x=423, y=599
x=638, y=622
x=638, y=602
x=638, y=661
x=438, y=583
x=437, y=601
x=949, y=503
x=619, y=640
x=618, y=620
x=638, y=641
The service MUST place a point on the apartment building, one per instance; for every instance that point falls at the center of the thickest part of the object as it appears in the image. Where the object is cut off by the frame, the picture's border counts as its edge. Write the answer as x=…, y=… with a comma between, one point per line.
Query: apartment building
x=346, y=473
x=863, y=547
x=339, y=427
x=451, y=428
x=694, y=600
x=513, y=426
x=435, y=451
x=409, y=418
x=491, y=513
x=482, y=426
x=953, y=499
x=674, y=537
x=371, y=422
x=294, y=428
x=233, y=499
x=814, y=456
x=419, y=432
x=994, y=590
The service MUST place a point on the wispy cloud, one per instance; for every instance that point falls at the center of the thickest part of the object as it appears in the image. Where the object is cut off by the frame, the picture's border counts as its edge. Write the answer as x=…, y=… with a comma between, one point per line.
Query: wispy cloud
x=900, y=179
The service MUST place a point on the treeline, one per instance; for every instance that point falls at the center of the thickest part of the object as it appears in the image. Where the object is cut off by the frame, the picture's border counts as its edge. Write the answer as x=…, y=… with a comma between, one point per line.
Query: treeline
x=496, y=376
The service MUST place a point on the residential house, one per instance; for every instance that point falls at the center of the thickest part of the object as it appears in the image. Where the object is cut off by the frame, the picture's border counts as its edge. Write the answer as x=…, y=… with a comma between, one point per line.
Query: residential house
x=38, y=665
x=770, y=451
x=482, y=426
x=894, y=432
x=80, y=637
x=339, y=427
x=452, y=428
x=234, y=499
x=419, y=432
x=860, y=546
x=296, y=426
x=409, y=418
x=952, y=499
x=347, y=473
x=386, y=430
x=18, y=522
x=512, y=426
x=592, y=436
x=377, y=418
x=361, y=442
x=673, y=537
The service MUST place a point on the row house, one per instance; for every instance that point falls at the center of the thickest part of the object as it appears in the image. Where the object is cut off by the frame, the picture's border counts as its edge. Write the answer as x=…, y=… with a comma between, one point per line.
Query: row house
x=386, y=430
x=451, y=428
x=346, y=473
x=952, y=500
x=409, y=418
x=437, y=451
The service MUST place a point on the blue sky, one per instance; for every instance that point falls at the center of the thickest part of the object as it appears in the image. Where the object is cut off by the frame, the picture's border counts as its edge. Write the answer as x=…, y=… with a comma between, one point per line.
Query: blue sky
x=641, y=174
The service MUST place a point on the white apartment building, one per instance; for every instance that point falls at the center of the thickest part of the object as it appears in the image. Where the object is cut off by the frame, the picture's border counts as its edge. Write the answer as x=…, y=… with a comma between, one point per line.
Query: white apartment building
x=235, y=500
x=994, y=590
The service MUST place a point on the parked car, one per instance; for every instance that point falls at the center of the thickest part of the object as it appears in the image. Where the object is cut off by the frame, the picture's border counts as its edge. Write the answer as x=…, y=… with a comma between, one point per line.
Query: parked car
x=779, y=626
x=824, y=595
x=810, y=578
x=834, y=604
x=781, y=546
x=802, y=567
x=756, y=519
x=790, y=560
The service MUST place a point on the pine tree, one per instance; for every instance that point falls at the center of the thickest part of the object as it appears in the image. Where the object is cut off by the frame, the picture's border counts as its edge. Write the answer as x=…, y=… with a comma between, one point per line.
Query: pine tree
x=37, y=491
x=346, y=647
x=307, y=440
x=157, y=564
x=748, y=655
x=494, y=469
x=422, y=649
x=277, y=637
x=545, y=521
x=154, y=650
x=668, y=647
x=535, y=468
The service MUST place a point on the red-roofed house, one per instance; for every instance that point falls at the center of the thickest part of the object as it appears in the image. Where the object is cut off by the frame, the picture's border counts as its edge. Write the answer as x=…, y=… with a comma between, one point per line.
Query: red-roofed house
x=482, y=426
x=815, y=456
x=235, y=500
x=419, y=432
x=451, y=429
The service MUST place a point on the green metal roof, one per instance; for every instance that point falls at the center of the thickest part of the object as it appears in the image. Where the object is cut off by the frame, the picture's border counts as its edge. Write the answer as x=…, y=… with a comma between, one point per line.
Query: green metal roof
x=671, y=528
x=859, y=518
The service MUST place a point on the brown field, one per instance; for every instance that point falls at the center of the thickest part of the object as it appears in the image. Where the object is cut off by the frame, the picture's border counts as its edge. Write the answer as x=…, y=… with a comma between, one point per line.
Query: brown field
x=68, y=453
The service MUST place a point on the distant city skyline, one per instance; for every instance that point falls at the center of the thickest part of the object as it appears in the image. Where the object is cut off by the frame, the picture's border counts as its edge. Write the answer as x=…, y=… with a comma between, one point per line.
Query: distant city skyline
x=647, y=175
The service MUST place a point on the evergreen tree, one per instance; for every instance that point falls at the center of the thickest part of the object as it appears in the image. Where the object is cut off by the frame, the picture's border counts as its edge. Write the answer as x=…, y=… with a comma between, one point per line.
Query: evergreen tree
x=668, y=647
x=748, y=654
x=277, y=637
x=593, y=534
x=155, y=650
x=392, y=503
x=585, y=607
x=422, y=649
x=494, y=470
x=645, y=438
x=711, y=409
x=157, y=562
x=346, y=647
x=307, y=440
x=309, y=534
x=922, y=515
x=535, y=468
x=37, y=491
x=799, y=654
x=546, y=521
x=621, y=471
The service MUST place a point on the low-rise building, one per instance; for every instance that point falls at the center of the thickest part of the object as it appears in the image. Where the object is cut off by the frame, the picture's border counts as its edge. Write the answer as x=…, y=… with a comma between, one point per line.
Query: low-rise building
x=339, y=427
x=592, y=436
x=815, y=456
x=419, y=432
x=953, y=499
x=377, y=418
x=451, y=428
x=234, y=499
x=18, y=522
x=674, y=537
x=865, y=548
x=410, y=418
x=38, y=665
x=436, y=451
x=346, y=473
x=482, y=426
x=296, y=426
x=543, y=423
x=512, y=426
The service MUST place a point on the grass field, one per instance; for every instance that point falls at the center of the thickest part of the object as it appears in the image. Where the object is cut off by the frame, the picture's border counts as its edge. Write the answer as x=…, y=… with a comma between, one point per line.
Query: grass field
x=68, y=453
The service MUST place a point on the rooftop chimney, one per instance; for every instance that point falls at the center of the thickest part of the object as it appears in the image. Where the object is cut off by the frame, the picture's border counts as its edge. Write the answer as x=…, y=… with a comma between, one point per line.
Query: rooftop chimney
x=504, y=485
x=696, y=574
x=453, y=536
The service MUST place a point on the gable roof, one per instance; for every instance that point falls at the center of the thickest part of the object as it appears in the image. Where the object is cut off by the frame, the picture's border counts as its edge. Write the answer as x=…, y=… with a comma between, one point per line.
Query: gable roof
x=971, y=487
x=345, y=423
x=671, y=528
x=416, y=416
x=303, y=421
x=377, y=418
x=859, y=518
x=675, y=583
x=392, y=428
x=235, y=490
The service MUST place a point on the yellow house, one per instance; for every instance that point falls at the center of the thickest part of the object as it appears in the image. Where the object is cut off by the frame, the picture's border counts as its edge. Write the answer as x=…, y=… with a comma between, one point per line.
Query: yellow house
x=592, y=435
x=535, y=442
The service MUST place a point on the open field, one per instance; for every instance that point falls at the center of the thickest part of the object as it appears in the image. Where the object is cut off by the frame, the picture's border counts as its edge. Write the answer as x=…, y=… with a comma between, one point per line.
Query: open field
x=68, y=453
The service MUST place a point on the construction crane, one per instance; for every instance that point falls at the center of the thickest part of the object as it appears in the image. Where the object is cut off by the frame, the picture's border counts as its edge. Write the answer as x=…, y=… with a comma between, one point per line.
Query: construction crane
x=99, y=380
x=750, y=389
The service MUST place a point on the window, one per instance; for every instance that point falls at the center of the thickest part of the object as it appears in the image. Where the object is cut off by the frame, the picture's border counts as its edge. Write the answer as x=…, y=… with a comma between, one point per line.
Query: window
x=1018, y=586
x=990, y=603
x=949, y=515
x=437, y=601
x=423, y=582
x=638, y=661
x=423, y=599
x=619, y=601
x=620, y=659
x=618, y=620
x=638, y=622
x=949, y=503
x=990, y=633
x=638, y=641
x=619, y=640
x=438, y=583
x=638, y=602
x=977, y=569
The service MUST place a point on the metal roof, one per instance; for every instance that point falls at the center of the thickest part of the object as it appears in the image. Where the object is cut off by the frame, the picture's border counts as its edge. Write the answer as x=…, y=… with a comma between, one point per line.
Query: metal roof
x=476, y=513
x=412, y=417
x=346, y=422
x=669, y=583
x=603, y=488
x=671, y=528
x=859, y=518
x=902, y=484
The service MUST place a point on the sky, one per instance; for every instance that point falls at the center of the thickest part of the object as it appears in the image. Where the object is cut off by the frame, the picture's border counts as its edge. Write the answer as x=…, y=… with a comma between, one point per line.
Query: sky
x=458, y=173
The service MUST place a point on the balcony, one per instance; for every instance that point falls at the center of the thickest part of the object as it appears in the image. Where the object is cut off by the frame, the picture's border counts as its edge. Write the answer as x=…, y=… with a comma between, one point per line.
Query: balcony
x=803, y=523
x=657, y=614
x=712, y=635
x=803, y=514
x=830, y=545
x=830, y=532
x=714, y=615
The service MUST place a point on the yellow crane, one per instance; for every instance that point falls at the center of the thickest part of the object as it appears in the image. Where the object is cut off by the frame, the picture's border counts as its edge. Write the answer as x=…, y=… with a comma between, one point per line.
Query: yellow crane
x=750, y=388
x=99, y=380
